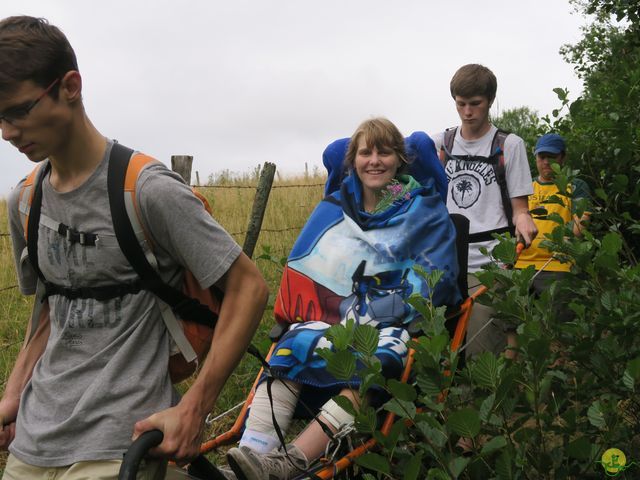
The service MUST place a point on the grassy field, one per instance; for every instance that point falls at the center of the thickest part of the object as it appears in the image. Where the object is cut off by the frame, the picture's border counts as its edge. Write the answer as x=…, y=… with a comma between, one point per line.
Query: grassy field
x=290, y=203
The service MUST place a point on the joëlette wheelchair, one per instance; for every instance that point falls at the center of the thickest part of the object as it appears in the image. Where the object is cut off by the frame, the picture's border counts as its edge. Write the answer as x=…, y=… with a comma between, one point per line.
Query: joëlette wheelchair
x=422, y=147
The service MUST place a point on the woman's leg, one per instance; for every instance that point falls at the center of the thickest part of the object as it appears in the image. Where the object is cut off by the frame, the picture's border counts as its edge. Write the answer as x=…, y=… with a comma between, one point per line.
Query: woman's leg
x=260, y=433
x=308, y=446
x=312, y=442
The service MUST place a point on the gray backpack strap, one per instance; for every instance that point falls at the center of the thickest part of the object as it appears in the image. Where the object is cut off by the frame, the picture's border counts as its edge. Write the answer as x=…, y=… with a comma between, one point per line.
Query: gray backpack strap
x=447, y=145
x=497, y=149
x=174, y=327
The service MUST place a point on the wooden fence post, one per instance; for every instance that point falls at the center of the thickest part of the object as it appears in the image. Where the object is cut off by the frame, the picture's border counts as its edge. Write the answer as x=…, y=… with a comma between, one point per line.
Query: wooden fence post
x=259, y=207
x=181, y=164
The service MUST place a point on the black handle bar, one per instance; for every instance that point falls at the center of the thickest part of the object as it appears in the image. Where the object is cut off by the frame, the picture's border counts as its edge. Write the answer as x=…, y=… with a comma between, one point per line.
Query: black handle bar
x=136, y=452
x=200, y=467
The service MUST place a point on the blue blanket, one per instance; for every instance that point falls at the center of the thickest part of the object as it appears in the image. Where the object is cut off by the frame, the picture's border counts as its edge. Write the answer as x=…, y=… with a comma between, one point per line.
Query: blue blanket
x=347, y=263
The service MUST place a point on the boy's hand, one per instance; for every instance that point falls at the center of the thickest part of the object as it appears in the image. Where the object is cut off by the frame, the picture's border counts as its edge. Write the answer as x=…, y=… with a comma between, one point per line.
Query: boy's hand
x=182, y=434
x=526, y=229
x=7, y=433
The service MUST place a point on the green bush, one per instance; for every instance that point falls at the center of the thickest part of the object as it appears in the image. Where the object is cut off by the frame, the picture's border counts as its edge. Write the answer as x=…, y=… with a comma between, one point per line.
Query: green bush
x=570, y=394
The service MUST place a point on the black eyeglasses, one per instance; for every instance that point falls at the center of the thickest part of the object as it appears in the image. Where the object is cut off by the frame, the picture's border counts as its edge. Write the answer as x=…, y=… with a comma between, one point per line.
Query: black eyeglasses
x=20, y=112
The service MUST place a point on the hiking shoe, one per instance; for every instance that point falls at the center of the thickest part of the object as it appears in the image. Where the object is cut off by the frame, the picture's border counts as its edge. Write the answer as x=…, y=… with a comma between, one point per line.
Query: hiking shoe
x=227, y=473
x=249, y=465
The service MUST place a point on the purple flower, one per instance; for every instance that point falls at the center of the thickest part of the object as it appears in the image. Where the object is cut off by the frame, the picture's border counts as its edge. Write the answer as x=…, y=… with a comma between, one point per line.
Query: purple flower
x=395, y=188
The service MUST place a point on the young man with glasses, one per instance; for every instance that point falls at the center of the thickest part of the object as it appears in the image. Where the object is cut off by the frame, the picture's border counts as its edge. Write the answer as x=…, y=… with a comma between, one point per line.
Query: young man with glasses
x=94, y=373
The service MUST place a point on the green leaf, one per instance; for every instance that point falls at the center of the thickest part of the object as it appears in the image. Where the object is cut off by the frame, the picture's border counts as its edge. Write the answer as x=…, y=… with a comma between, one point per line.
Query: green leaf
x=504, y=467
x=579, y=448
x=369, y=380
x=433, y=278
x=375, y=462
x=611, y=243
x=485, y=370
x=339, y=336
x=631, y=373
x=620, y=182
x=402, y=391
x=401, y=408
x=457, y=465
x=412, y=467
x=596, y=416
x=433, y=433
x=342, y=365
x=607, y=261
x=365, y=419
x=495, y=444
x=486, y=406
x=600, y=193
x=390, y=440
x=505, y=251
x=345, y=404
x=608, y=300
x=539, y=351
x=561, y=93
x=465, y=422
x=365, y=338
x=576, y=107
x=436, y=345
x=633, y=367
x=554, y=217
x=437, y=474
x=429, y=385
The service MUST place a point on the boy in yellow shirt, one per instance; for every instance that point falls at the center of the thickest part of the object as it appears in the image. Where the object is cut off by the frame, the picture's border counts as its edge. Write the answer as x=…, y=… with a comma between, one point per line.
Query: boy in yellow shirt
x=550, y=148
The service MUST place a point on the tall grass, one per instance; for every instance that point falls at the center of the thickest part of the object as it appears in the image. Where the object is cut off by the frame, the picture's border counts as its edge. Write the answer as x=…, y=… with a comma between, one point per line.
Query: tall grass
x=290, y=203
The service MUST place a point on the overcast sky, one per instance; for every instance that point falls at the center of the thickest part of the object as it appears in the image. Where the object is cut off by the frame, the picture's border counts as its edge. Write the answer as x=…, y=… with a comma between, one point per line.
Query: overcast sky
x=240, y=82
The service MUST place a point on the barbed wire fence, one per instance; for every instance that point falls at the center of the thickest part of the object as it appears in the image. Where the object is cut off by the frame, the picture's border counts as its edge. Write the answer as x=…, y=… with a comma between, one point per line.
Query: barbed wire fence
x=296, y=228
x=274, y=187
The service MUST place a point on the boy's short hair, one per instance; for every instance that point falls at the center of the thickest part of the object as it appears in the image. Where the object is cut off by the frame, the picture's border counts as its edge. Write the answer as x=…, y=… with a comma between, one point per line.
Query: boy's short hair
x=380, y=133
x=32, y=49
x=472, y=80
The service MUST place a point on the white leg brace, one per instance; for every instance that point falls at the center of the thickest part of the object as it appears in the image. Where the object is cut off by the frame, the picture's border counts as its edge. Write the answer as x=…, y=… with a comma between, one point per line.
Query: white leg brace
x=260, y=434
x=335, y=415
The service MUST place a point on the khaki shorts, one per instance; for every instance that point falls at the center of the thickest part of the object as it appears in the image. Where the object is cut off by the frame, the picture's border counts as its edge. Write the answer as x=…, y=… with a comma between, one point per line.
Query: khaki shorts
x=94, y=470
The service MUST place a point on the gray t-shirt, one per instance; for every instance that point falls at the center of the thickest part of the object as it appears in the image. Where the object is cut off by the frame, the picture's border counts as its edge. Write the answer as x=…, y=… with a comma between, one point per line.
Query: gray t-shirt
x=105, y=364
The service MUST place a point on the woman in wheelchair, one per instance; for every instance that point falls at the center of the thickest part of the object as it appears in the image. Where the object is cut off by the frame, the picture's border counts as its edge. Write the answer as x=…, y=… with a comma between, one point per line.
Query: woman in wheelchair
x=352, y=260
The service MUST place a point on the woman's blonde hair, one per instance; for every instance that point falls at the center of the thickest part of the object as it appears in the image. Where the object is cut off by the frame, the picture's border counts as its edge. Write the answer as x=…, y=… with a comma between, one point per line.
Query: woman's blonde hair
x=380, y=133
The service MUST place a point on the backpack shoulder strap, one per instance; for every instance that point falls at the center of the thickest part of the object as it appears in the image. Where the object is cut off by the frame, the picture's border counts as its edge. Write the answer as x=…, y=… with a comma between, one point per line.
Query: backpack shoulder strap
x=497, y=150
x=30, y=222
x=25, y=198
x=123, y=172
x=137, y=163
x=497, y=144
x=32, y=215
x=447, y=144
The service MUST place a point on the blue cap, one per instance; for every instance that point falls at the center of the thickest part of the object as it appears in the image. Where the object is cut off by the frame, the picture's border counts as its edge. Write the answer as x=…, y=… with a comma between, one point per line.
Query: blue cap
x=550, y=143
